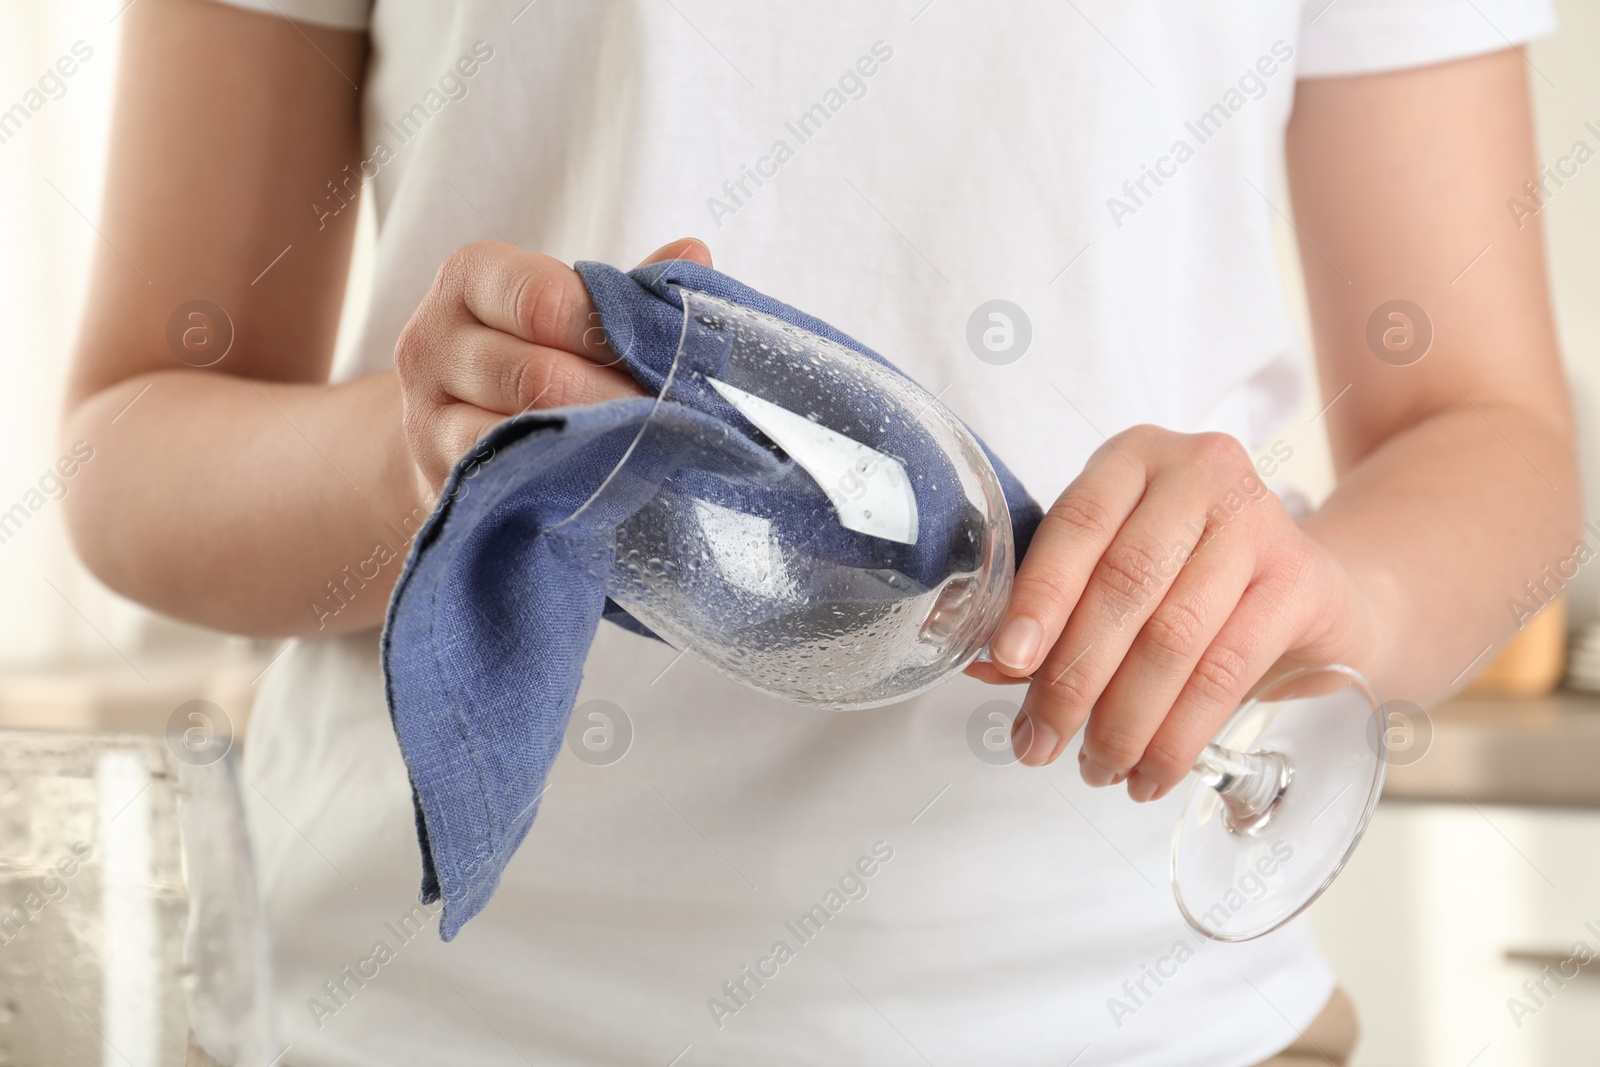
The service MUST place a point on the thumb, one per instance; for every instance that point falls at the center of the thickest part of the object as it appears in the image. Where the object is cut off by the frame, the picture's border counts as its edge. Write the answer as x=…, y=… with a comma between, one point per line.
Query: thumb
x=690, y=248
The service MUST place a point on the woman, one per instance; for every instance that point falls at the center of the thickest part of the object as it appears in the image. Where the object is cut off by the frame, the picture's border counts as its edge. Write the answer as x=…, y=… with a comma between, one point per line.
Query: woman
x=1110, y=170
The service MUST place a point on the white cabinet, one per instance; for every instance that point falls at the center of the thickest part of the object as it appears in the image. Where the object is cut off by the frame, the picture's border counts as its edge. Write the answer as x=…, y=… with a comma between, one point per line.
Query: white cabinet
x=1446, y=911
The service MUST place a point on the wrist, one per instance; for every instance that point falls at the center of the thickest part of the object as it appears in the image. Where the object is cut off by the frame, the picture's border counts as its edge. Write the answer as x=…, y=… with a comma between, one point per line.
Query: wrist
x=1375, y=611
x=404, y=496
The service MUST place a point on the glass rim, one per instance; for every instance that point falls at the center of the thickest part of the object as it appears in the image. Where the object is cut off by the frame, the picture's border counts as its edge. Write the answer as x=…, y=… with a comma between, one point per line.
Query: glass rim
x=650, y=416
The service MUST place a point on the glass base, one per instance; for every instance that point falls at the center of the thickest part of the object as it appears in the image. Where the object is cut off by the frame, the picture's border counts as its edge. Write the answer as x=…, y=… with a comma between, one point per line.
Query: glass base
x=1235, y=883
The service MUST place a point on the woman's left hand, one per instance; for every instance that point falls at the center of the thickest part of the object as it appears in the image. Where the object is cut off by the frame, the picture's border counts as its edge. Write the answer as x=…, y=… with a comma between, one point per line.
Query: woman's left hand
x=1161, y=587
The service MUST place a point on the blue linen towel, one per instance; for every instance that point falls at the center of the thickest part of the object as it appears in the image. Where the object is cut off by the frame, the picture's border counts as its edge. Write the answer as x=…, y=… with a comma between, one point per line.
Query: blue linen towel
x=491, y=621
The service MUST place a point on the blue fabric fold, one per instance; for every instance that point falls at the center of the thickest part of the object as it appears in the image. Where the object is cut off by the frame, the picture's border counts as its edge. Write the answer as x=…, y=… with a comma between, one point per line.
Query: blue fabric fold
x=492, y=618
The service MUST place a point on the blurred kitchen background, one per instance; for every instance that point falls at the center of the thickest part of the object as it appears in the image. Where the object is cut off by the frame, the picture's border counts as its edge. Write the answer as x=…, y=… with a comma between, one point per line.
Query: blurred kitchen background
x=1480, y=873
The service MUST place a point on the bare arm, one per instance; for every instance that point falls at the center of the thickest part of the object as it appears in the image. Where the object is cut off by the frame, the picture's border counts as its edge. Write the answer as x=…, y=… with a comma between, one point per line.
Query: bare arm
x=1141, y=614
x=251, y=495
x=220, y=487
x=1457, y=474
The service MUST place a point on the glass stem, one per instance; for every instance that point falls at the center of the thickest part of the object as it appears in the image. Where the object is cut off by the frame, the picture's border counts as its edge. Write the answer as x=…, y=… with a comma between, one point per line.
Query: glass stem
x=1249, y=783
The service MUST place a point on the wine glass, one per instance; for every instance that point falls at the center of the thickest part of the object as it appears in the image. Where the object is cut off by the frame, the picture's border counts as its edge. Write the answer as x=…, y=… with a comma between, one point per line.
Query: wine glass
x=814, y=525
x=800, y=518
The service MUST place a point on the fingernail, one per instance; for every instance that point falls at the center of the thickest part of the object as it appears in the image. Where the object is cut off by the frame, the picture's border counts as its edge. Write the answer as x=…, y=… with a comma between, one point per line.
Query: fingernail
x=1141, y=788
x=1094, y=774
x=1017, y=643
x=1035, y=742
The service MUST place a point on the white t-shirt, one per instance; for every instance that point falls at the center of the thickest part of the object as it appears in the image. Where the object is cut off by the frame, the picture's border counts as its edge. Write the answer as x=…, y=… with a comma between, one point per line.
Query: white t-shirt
x=888, y=167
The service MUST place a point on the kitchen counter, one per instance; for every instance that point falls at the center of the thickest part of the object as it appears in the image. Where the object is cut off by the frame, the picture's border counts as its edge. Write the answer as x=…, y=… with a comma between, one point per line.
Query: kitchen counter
x=1485, y=750
x=138, y=696
x=1508, y=750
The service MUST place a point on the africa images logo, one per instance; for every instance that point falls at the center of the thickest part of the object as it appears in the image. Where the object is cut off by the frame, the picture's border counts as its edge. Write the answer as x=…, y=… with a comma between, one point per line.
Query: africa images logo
x=851, y=85
x=853, y=885
x=1250, y=86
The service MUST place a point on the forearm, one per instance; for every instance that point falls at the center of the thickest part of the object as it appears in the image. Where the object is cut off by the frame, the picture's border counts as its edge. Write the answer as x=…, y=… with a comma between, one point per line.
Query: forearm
x=249, y=506
x=1441, y=526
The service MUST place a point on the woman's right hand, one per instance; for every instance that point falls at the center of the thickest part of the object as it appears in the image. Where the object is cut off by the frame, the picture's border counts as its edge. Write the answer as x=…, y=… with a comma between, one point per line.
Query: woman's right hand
x=501, y=332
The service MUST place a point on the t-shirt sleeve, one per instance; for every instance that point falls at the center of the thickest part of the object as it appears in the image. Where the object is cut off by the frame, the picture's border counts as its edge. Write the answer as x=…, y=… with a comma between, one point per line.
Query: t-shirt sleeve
x=338, y=14
x=1364, y=36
